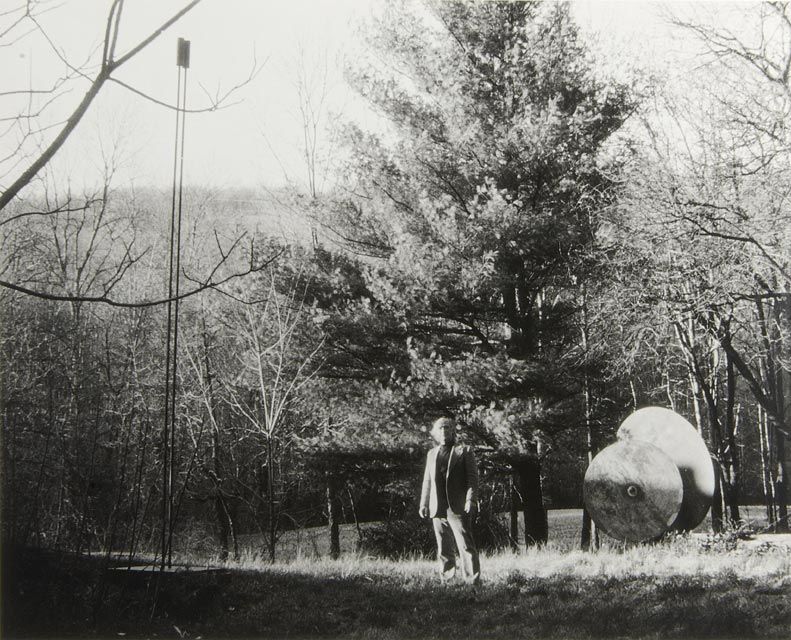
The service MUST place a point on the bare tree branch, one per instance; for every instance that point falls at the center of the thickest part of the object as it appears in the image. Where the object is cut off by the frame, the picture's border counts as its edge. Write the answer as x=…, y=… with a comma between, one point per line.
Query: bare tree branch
x=105, y=299
x=63, y=209
x=104, y=74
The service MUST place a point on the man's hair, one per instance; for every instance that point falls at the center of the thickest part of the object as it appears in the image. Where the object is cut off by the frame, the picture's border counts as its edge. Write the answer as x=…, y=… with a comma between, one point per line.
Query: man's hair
x=441, y=422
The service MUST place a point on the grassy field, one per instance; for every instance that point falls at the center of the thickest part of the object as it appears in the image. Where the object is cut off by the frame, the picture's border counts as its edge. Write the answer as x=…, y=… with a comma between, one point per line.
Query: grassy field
x=564, y=534
x=313, y=543
x=687, y=587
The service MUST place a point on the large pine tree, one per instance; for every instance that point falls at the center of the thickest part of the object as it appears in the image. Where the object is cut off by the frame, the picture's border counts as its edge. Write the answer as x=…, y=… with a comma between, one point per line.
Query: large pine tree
x=476, y=205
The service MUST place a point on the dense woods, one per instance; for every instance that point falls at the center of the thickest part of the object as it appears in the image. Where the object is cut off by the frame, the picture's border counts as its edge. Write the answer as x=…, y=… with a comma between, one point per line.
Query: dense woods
x=526, y=244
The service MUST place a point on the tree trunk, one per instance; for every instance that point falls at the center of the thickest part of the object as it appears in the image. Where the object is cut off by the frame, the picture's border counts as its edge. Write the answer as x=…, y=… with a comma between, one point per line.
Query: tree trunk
x=84, y=515
x=356, y=520
x=138, y=491
x=781, y=482
x=766, y=467
x=590, y=533
x=270, y=477
x=332, y=517
x=222, y=513
x=9, y=460
x=515, y=501
x=685, y=333
x=227, y=531
x=223, y=531
x=773, y=402
x=109, y=542
x=733, y=466
x=715, y=435
x=781, y=495
x=589, y=538
x=717, y=511
x=533, y=511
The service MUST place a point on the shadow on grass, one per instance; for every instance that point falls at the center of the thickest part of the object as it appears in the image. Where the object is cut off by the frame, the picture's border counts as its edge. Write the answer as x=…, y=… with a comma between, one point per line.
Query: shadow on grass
x=52, y=596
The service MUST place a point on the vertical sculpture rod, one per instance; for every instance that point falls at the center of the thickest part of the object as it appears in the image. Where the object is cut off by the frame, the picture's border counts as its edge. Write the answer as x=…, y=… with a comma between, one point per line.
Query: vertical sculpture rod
x=174, y=270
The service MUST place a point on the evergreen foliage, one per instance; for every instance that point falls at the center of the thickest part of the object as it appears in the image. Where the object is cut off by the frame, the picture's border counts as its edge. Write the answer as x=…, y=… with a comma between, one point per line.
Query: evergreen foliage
x=480, y=202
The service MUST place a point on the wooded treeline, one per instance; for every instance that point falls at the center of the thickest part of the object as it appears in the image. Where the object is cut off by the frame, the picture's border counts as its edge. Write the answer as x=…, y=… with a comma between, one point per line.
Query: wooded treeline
x=531, y=246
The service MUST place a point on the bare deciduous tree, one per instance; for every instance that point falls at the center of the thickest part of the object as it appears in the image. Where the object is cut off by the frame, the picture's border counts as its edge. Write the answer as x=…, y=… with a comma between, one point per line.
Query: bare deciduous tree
x=276, y=360
x=26, y=124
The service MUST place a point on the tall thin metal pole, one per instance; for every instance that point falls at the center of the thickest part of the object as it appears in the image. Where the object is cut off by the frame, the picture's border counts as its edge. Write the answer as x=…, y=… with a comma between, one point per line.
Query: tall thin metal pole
x=183, y=62
x=174, y=268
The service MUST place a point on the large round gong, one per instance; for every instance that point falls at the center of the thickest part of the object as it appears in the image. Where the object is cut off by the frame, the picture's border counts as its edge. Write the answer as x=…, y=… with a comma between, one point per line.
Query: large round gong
x=632, y=490
x=681, y=442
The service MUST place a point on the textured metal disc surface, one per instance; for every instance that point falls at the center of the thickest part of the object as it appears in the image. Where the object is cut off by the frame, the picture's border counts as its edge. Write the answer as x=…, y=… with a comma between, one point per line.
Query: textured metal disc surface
x=682, y=443
x=633, y=491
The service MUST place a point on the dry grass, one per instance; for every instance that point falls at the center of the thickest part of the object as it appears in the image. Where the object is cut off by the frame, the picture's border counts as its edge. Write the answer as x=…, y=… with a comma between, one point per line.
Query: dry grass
x=700, y=553
x=681, y=556
x=687, y=587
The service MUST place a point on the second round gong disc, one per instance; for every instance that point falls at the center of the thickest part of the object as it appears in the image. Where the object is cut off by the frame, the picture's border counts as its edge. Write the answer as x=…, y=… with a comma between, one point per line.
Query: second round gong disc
x=633, y=491
x=682, y=443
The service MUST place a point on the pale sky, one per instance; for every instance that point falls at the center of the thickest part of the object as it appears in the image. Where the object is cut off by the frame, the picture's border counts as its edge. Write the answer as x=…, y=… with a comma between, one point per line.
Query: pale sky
x=255, y=142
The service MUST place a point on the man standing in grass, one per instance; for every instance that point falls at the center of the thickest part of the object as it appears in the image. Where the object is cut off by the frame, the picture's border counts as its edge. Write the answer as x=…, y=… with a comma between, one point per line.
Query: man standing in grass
x=450, y=498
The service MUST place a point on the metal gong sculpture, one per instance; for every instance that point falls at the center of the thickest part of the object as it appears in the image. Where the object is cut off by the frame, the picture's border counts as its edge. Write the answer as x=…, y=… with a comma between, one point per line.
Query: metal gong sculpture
x=658, y=477
x=633, y=491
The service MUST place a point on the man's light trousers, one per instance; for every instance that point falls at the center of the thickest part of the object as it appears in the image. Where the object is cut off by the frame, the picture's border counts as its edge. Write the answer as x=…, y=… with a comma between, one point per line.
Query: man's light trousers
x=457, y=528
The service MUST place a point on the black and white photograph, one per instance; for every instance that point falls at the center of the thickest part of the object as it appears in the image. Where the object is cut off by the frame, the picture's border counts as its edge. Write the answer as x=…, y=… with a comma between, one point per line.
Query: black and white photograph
x=383, y=319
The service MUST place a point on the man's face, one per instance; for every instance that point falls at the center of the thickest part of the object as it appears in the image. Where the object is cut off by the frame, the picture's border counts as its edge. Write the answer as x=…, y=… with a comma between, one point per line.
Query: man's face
x=444, y=432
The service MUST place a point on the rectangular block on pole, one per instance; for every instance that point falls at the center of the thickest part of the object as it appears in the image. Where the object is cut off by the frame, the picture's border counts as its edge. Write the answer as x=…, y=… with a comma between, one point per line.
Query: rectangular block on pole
x=183, y=54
